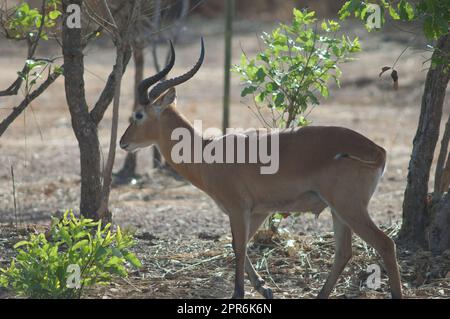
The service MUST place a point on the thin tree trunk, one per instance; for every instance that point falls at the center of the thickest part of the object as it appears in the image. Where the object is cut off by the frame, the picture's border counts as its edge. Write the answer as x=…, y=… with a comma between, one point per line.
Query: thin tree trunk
x=139, y=63
x=227, y=67
x=128, y=170
x=439, y=231
x=416, y=216
x=445, y=184
x=104, y=212
x=440, y=178
x=156, y=28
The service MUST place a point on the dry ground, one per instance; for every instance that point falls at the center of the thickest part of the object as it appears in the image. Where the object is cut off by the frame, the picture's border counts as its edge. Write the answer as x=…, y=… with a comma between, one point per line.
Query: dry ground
x=44, y=152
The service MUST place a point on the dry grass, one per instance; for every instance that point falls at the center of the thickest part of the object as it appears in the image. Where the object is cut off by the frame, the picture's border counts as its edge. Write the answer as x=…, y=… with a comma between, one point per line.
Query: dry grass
x=293, y=266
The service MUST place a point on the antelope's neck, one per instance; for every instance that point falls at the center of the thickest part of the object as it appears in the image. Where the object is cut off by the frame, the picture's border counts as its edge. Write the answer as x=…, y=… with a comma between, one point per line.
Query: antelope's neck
x=171, y=120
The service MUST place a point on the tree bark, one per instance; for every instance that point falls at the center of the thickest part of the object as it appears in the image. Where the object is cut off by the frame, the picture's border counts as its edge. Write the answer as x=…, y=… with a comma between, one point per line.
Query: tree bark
x=416, y=215
x=445, y=184
x=128, y=170
x=442, y=170
x=439, y=238
x=227, y=65
x=104, y=212
x=83, y=126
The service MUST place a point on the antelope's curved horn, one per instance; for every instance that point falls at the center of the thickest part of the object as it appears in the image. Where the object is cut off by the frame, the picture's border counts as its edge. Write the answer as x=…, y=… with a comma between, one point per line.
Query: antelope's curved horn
x=147, y=83
x=165, y=85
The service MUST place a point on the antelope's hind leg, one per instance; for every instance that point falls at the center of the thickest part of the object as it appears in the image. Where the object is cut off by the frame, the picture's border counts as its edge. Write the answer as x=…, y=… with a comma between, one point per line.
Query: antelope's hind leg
x=256, y=280
x=349, y=203
x=342, y=254
x=366, y=229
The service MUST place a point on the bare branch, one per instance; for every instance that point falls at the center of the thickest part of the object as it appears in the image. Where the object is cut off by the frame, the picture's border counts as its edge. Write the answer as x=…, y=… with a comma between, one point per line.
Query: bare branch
x=156, y=24
x=28, y=99
x=107, y=94
x=97, y=18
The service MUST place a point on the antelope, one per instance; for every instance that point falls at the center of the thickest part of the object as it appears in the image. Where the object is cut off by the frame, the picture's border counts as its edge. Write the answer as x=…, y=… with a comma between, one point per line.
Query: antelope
x=319, y=167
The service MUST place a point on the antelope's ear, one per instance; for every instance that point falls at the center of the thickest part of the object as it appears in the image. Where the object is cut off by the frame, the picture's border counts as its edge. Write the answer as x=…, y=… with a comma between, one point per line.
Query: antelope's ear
x=169, y=97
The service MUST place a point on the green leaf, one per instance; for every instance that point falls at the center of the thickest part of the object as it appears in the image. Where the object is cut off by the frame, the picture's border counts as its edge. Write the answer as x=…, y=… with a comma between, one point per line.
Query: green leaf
x=24, y=8
x=259, y=98
x=58, y=70
x=119, y=234
x=313, y=98
x=22, y=243
x=271, y=87
x=279, y=99
x=80, y=244
x=429, y=28
x=132, y=259
x=114, y=261
x=54, y=14
x=393, y=13
x=406, y=10
x=260, y=75
x=116, y=252
x=248, y=90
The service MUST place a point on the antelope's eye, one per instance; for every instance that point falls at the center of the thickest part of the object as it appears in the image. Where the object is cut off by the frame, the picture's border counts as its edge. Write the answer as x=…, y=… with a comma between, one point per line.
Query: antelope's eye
x=138, y=116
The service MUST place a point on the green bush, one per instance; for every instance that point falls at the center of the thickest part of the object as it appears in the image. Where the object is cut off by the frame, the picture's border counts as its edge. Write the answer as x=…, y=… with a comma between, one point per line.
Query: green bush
x=294, y=67
x=45, y=268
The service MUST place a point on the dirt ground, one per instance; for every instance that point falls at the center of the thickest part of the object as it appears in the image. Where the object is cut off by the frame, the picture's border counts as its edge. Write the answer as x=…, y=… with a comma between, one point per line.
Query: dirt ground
x=44, y=153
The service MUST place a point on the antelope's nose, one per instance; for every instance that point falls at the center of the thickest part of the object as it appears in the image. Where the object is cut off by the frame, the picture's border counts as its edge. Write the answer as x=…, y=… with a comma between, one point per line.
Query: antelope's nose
x=123, y=145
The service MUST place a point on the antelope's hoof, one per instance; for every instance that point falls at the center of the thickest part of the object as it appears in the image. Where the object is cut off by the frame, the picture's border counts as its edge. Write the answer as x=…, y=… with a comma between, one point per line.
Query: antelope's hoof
x=259, y=283
x=238, y=295
x=267, y=293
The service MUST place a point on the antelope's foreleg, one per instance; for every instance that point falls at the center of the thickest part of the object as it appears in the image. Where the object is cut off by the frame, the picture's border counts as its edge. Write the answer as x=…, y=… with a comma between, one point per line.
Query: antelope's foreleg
x=240, y=229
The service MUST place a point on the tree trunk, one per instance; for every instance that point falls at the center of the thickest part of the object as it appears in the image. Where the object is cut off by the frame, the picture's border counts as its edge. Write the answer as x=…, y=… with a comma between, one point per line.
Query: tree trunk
x=439, y=238
x=104, y=212
x=441, y=178
x=90, y=160
x=227, y=71
x=128, y=169
x=84, y=127
x=445, y=184
x=416, y=215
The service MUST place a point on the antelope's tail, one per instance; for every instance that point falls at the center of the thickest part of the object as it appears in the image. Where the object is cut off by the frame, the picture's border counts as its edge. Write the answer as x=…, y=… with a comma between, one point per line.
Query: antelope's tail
x=378, y=162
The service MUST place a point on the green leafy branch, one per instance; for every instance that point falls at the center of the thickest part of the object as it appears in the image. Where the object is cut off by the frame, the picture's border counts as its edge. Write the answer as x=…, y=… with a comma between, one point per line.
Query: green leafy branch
x=26, y=23
x=293, y=70
x=433, y=14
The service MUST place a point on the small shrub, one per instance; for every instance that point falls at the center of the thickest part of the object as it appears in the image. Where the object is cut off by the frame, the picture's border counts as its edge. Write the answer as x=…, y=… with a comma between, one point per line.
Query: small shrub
x=294, y=67
x=45, y=268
